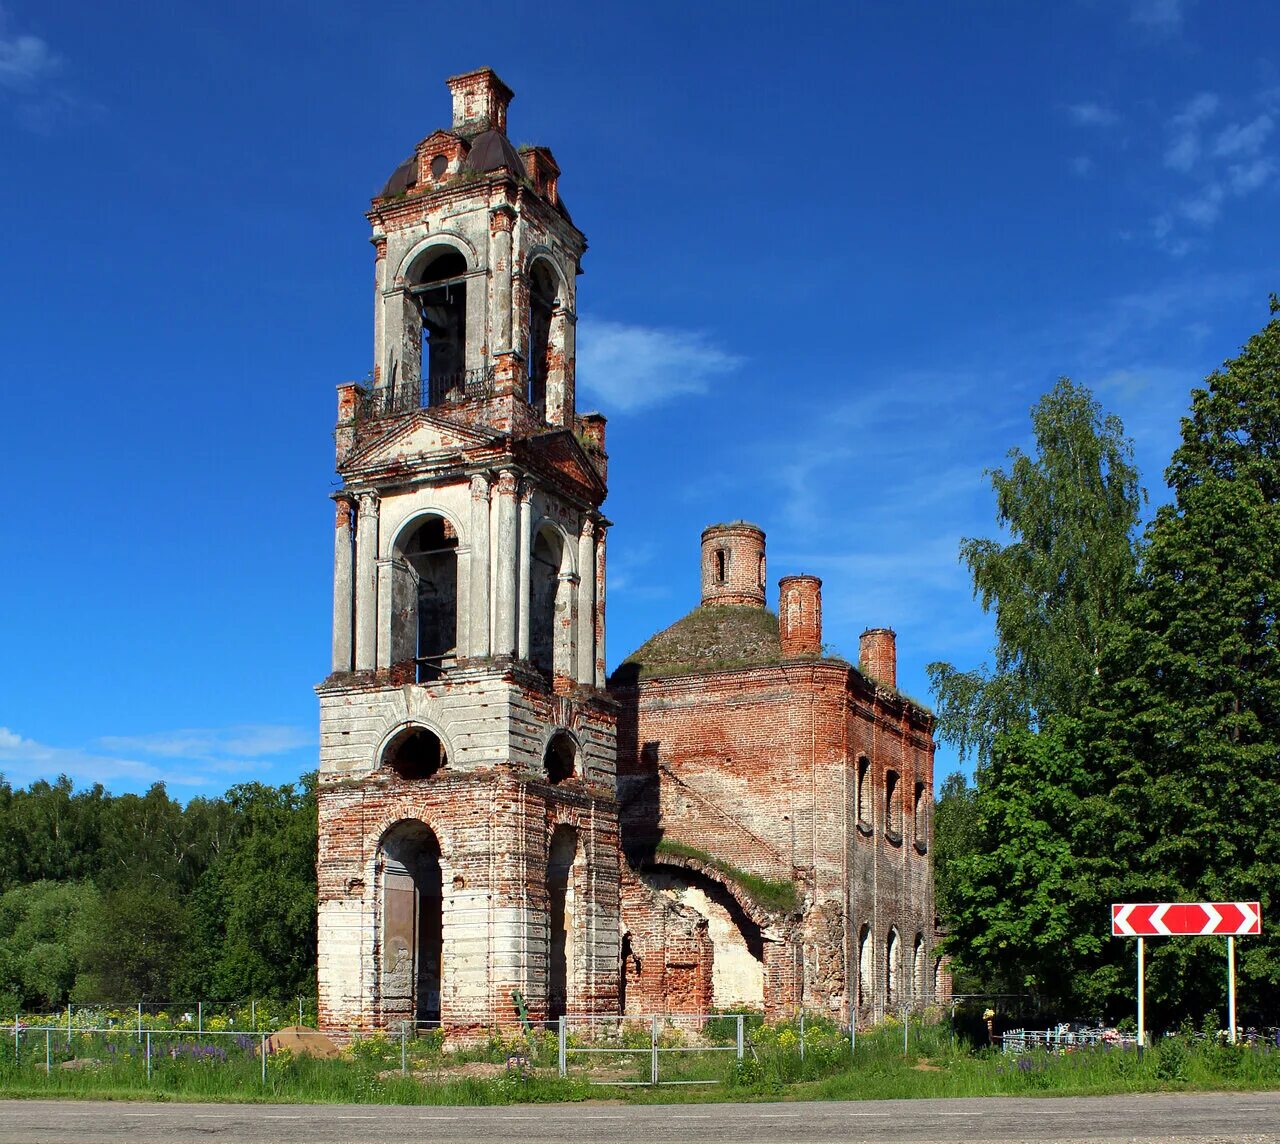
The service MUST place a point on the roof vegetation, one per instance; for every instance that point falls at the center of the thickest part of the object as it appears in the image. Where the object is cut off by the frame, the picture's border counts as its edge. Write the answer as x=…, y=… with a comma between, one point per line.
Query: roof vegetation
x=777, y=896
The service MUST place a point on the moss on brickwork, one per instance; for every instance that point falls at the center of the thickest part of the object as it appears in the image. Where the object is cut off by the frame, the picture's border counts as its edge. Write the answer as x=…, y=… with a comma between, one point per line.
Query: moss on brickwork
x=776, y=896
x=717, y=637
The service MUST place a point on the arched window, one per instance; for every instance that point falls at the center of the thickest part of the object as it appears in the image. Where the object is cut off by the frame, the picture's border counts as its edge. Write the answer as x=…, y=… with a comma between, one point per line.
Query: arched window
x=411, y=934
x=866, y=967
x=891, y=967
x=424, y=595
x=415, y=753
x=551, y=632
x=562, y=857
x=892, y=805
x=937, y=981
x=919, y=818
x=560, y=758
x=439, y=294
x=543, y=295
x=864, y=790
x=918, y=981
x=722, y=565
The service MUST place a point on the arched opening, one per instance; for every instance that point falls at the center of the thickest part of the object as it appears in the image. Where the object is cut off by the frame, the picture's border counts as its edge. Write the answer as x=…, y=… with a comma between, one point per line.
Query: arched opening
x=919, y=823
x=866, y=967
x=439, y=295
x=561, y=947
x=891, y=967
x=544, y=290
x=737, y=943
x=937, y=981
x=424, y=595
x=918, y=981
x=412, y=897
x=560, y=757
x=414, y=753
x=722, y=565
x=864, y=790
x=892, y=805
x=551, y=604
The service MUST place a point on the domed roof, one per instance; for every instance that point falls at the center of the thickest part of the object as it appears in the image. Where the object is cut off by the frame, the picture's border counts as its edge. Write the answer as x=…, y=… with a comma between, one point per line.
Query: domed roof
x=491, y=151
x=402, y=178
x=714, y=637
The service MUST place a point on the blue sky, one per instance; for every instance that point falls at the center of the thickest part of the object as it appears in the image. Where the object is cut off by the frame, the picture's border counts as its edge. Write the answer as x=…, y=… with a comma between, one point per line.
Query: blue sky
x=836, y=253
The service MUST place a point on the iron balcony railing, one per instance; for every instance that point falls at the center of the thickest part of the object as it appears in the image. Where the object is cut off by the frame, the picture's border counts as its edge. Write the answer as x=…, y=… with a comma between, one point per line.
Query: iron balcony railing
x=440, y=389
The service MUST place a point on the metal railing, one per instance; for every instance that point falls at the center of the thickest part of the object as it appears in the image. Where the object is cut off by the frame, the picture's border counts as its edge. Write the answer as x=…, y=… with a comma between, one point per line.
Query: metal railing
x=400, y=397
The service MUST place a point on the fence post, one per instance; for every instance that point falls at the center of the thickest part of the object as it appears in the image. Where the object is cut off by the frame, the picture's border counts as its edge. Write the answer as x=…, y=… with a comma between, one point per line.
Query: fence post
x=68, y=1024
x=199, y=1020
x=802, y=1032
x=263, y=1053
x=253, y=1014
x=48, y=1053
x=299, y=1010
x=562, y=1061
x=906, y=1030
x=148, y=1056
x=739, y=1036
x=17, y=1046
x=653, y=1046
x=403, y=1042
x=853, y=1033
x=139, y=1022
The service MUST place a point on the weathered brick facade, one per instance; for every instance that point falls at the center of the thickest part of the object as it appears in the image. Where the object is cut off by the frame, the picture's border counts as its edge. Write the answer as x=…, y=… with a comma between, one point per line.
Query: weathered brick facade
x=736, y=822
x=741, y=749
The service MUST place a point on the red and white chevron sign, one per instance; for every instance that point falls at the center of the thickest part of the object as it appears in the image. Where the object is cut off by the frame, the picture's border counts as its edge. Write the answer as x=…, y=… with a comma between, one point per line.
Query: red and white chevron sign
x=1185, y=919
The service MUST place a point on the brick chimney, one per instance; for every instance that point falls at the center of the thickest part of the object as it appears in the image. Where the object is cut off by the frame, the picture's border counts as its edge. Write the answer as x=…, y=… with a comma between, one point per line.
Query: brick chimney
x=733, y=564
x=878, y=655
x=800, y=616
x=480, y=101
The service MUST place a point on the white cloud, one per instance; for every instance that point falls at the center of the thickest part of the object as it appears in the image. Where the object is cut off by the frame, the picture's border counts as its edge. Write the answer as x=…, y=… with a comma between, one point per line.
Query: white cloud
x=24, y=760
x=250, y=741
x=1092, y=115
x=630, y=367
x=1185, y=146
x=1082, y=166
x=1204, y=208
x=1238, y=139
x=1246, y=178
x=1164, y=16
x=25, y=60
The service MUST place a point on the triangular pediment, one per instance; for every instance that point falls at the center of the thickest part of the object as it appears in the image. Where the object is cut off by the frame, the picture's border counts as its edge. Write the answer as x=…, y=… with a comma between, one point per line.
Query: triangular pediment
x=417, y=437
x=560, y=453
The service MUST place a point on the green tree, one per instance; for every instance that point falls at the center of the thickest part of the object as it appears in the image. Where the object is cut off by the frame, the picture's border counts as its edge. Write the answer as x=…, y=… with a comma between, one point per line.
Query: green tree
x=955, y=837
x=133, y=940
x=41, y=927
x=1070, y=512
x=1190, y=711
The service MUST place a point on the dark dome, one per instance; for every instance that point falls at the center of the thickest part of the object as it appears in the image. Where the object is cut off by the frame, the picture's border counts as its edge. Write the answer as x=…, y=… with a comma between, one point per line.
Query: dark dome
x=491, y=151
x=402, y=178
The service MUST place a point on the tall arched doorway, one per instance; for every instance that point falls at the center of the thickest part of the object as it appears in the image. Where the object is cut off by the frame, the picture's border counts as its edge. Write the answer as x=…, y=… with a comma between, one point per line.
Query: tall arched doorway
x=410, y=968
x=561, y=947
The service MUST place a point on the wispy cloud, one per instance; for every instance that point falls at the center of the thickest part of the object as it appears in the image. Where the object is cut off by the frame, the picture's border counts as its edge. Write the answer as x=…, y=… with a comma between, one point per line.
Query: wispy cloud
x=631, y=367
x=251, y=741
x=1161, y=16
x=1186, y=129
x=31, y=80
x=1240, y=139
x=1082, y=166
x=24, y=760
x=1092, y=115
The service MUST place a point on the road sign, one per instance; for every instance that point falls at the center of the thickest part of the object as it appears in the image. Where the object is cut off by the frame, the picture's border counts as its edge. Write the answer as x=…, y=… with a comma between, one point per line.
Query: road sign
x=1186, y=919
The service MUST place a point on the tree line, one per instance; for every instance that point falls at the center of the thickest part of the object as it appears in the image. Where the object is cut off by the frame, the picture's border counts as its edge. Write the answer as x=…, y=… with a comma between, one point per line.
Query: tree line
x=1126, y=735
x=121, y=898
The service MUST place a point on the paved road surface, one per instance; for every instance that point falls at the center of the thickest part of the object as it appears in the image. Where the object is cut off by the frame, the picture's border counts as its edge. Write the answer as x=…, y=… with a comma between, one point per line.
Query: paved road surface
x=1186, y=1118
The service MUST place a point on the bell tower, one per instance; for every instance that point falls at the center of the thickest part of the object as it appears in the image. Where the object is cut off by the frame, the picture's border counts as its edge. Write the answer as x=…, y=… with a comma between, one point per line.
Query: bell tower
x=468, y=816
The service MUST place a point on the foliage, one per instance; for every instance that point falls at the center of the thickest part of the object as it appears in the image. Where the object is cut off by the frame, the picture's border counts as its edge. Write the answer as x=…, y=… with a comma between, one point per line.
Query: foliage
x=121, y=898
x=1188, y=714
x=1070, y=511
x=774, y=895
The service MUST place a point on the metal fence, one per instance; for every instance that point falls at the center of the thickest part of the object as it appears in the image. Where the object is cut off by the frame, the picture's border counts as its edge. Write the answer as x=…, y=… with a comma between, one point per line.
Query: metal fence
x=251, y=1015
x=1063, y=1038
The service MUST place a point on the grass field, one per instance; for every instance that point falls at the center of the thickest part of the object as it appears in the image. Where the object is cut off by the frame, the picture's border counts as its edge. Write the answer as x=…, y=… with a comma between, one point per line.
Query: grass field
x=525, y=1069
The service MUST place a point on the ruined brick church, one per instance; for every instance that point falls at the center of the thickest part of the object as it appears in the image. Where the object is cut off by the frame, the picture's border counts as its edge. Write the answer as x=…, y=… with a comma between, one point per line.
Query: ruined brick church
x=734, y=820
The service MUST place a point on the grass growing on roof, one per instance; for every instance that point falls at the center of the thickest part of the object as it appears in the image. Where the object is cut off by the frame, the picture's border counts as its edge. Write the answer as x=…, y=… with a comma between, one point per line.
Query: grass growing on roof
x=779, y=896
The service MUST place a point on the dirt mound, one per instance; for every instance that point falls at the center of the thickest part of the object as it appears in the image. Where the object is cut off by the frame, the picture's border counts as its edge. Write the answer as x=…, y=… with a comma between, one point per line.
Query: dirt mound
x=302, y=1042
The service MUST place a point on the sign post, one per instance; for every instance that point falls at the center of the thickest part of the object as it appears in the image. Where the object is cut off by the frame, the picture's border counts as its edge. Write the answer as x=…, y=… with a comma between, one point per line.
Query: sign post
x=1186, y=919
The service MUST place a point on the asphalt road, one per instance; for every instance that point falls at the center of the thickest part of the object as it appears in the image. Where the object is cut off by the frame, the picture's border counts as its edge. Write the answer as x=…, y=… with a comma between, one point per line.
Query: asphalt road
x=1199, y=1118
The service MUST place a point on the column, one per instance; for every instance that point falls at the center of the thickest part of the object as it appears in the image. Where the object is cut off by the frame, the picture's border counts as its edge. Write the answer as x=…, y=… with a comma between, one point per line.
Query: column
x=525, y=562
x=600, y=534
x=504, y=567
x=478, y=574
x=366, y=591
x=500, y=224
x=343, y=574
x=379, y=306
x=586, y=641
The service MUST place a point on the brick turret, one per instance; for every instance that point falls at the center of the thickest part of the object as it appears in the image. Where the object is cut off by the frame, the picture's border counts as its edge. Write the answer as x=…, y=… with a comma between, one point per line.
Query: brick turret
x=800, y=616
x=733, y=564
x=878, y=655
